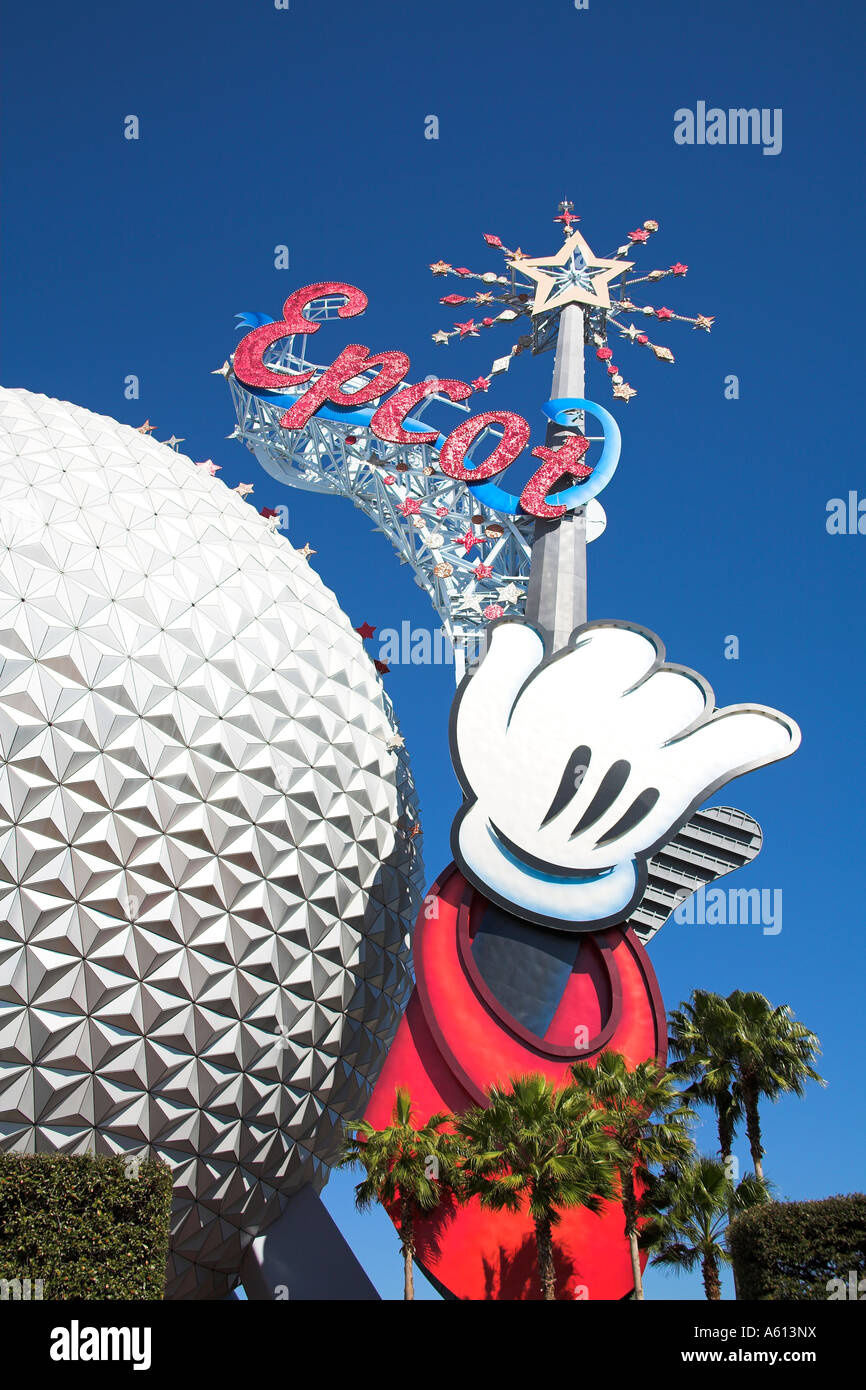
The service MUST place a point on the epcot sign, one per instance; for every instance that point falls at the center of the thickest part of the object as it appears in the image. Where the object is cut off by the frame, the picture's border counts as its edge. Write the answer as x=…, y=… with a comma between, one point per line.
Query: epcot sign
x=392, y=424
x=583, y=755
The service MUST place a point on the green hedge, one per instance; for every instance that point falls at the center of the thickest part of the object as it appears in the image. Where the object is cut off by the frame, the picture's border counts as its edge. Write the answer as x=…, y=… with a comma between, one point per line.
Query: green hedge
x=87, y=1227
x=793, y=1250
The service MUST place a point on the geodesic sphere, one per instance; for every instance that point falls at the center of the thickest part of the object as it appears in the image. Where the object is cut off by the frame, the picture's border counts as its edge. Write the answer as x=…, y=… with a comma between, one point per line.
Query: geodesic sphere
x=204, y=892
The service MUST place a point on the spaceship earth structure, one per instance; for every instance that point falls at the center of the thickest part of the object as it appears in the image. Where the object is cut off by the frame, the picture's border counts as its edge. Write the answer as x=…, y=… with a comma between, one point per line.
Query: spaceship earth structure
x=206, y=866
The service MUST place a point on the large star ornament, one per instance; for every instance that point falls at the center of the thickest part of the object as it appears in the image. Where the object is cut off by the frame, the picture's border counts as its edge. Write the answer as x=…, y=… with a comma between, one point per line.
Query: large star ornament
x=574, y=276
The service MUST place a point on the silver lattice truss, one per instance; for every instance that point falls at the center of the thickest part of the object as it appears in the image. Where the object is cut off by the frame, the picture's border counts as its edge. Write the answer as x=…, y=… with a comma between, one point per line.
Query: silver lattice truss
x=208, y=863
x=344, y=457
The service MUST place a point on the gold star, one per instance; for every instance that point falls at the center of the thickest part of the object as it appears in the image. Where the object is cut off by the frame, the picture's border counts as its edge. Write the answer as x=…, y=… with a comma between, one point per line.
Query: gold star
x=518, y=255
x=574, y=276
x=440, y=337
x=471, y=603
x=702, y=321
x=244, y=489
x=307, y=550
x=440, y=267
x=624, y=392
x=146, y=428
x=509, y=593
x=396, y=741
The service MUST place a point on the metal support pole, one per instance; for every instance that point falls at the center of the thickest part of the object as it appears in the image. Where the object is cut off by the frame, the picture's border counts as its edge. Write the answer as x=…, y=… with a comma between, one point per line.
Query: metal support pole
x=556, y=596
x=303, y=1255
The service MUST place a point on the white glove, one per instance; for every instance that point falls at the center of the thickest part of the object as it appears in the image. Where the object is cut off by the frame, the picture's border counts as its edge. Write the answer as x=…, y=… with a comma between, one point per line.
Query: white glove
x=577, y=768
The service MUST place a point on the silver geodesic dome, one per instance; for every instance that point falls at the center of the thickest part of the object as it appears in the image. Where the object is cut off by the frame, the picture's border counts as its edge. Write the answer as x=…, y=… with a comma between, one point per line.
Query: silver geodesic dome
x=206, y=875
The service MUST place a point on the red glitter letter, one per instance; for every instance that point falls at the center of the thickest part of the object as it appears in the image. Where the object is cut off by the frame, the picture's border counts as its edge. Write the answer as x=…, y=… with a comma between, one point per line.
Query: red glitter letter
x=293, y=309
x=387, y=422
x=248, y=366
x=559, y=462
x=352, y=361
x=510, y=446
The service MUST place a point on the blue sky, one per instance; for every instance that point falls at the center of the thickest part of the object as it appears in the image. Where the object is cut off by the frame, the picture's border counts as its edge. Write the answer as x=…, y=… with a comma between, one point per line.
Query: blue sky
x=306, y=128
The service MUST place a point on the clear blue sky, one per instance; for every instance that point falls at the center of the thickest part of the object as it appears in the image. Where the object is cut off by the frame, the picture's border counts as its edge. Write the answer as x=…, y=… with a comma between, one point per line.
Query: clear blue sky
x=306, y=127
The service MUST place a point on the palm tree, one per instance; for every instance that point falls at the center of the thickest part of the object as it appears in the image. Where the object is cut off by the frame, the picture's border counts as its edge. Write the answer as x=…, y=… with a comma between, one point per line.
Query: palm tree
x=406, y=1166
x=698, y=1041
x=646, y=1119
x=773, y=1054
x=689, y=1212
x=535, y=1147
x=749, y=1048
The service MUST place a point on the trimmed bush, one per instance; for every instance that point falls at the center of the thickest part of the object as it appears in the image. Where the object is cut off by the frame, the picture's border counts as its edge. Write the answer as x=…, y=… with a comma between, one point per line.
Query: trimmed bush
x=88, y=1227
x=794, y=1250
